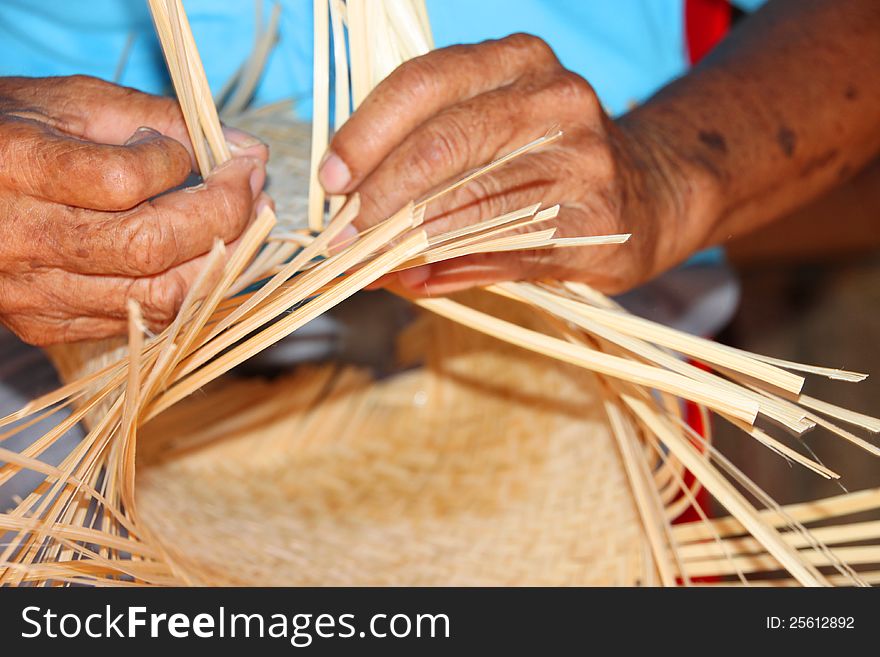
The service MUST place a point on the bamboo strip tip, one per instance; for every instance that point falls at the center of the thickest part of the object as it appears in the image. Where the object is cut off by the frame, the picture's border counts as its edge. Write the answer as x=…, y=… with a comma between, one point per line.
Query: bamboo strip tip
x=844, y=375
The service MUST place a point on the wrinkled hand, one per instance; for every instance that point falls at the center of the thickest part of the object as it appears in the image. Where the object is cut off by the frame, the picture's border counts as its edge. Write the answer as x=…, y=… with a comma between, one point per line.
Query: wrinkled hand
x=84, y=165
x=460, y=107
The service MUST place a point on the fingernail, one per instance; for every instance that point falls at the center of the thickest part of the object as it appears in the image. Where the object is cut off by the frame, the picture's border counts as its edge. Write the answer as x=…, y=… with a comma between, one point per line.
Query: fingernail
x=333, y=173
x=262, y=204
x=345, y=237
x=239, y=140
x=415, y=277
x=142, y=134
x=257, y=180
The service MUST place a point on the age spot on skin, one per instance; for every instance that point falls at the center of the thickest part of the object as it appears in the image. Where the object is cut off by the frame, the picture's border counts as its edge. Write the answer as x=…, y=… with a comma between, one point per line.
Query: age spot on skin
x=787, y=140
x=713, y=139
x=851, y=93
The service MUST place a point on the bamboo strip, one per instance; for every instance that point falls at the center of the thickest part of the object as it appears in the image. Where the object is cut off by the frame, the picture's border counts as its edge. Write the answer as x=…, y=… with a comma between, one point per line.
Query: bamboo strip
x=361, y=70
x=207, y=111
x=872, y=424
x=342, y=97
x=487, y=224
x=320, y=111
x=689, y=495
x=346, y=215
x=732, y=499
x=613, y=366
x=83, y=534
x=768, y=562
x=848, y=533
x=290, y=323
x=647, y=501
x=693, y=346
x=805, y=512
x=789, y=417
x=304, y=287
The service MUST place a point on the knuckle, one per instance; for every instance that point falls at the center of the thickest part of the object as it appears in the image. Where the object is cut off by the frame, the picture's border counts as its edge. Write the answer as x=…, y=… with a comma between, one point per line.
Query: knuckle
x=120, y=183
x=605, y=165
x=231, y=209
x=573, y=89
x=148, y=247
x=538, y=50
x=441, y=147
x=418, y=76
x=86, y=82
x=162, y=297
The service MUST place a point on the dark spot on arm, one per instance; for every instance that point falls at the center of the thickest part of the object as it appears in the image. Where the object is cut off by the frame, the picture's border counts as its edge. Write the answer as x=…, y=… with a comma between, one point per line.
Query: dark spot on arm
x=714, y=140
x=787, y=140
x=851, y=92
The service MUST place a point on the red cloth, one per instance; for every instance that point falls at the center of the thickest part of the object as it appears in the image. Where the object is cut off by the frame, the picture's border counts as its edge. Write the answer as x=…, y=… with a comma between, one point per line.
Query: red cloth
x=694, y=418
x=706, y=23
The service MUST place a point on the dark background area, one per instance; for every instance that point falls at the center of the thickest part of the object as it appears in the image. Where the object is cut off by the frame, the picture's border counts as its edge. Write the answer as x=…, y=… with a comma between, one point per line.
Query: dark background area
x=811, y=293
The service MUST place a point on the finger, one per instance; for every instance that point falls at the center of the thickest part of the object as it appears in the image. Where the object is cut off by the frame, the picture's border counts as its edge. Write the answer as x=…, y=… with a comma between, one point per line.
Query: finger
x=479, y=270
x=459, y=139
x=529, y=180
x=444, y=278
x=100, y=111
x=64, y=307
x=43, y=332
x=36, y=160
x=159, y=296
x=546, y=176
x=163, y=232
x=417, y=90
x=244, y=144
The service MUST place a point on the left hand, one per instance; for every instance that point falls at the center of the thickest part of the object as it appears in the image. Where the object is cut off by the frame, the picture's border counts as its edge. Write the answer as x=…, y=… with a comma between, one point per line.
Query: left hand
x=455, y=109
x=91, y=212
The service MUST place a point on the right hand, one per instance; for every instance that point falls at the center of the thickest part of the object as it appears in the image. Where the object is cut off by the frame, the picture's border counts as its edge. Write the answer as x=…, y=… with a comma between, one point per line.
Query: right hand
x=457, y=108
x=84, y=167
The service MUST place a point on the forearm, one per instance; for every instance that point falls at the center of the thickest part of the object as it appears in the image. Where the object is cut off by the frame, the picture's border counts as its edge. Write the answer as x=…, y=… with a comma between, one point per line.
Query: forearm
x=786, y=108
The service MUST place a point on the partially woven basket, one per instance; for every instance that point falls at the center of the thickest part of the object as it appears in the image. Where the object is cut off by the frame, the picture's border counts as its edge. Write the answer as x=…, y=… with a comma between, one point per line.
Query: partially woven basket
x=480, y=466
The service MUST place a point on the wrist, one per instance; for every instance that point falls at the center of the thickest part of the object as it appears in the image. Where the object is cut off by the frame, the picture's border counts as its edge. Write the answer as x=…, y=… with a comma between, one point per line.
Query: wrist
x=679, y=195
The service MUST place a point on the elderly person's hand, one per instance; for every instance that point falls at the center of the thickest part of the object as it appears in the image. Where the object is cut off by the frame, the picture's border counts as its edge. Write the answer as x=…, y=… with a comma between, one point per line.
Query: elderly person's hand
x=86, y=169
x=785, y=108
x=460, y=107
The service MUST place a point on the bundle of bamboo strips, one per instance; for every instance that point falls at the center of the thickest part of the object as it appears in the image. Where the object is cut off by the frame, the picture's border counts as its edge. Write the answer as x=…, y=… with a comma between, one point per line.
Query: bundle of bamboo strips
x=84, y=525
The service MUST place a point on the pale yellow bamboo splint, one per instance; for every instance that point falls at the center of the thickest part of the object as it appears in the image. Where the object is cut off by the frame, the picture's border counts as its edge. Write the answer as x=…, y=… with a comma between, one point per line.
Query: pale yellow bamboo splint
x=534, y=434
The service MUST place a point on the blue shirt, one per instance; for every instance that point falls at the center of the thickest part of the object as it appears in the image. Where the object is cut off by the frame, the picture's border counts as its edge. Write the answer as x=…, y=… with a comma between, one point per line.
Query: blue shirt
x=627, y=49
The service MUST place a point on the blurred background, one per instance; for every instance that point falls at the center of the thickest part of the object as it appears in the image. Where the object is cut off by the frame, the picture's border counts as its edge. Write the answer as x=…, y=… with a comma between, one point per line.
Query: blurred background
x=811, y=293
